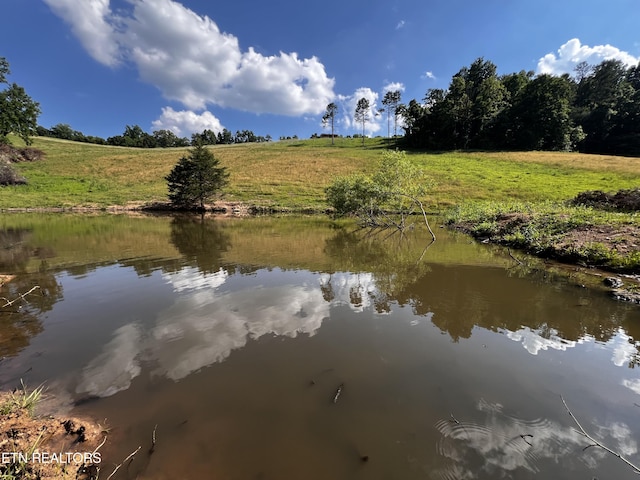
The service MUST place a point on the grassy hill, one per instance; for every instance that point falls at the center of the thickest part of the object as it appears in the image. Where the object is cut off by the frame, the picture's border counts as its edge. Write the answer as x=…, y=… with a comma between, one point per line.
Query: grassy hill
x=293, y=174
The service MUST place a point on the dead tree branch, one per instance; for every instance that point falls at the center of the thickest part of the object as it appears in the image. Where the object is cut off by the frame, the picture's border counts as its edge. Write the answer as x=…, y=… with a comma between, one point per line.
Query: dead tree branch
x=101, y=444
x=153, y=440
x=511, y=255
x=130, y=457
x=417, y=201
x=19, y=297
x=596, y=443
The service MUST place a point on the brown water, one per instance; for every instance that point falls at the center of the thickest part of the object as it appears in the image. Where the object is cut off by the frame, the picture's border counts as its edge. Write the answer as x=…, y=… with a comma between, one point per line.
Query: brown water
x=232, y=337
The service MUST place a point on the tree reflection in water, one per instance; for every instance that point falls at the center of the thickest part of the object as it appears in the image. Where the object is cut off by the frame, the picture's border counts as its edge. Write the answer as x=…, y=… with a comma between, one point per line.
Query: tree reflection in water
x=20, y=320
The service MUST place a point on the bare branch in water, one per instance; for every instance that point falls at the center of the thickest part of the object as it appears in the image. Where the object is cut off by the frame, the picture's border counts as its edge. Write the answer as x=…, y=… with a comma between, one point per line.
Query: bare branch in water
x=596, y=443
x=20, y=297
x=524, y=437
x=131, y=455
x=101, y=444
x=153, y=440
x=338, y=392
x=511, y=255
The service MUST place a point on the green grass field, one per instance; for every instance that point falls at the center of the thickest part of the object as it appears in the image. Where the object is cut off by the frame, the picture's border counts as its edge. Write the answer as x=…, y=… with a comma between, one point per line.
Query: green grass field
x=293, y=174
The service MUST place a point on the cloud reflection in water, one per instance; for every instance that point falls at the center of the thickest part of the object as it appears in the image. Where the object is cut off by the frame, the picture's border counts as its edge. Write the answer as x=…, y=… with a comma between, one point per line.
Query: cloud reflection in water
x=204, y=325
x=118, y=364
x=533, y=341
x=501, y=444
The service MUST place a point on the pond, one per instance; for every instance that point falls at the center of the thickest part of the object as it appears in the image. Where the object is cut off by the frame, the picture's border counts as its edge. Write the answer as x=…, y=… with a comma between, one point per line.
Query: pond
x=301, y=348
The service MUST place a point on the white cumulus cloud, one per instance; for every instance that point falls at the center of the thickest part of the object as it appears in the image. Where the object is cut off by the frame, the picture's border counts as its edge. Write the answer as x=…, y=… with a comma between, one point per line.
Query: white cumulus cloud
x=429, y=75
x=188, y=58
x=393, y=87
x=93, y=24
x=573, y=52
x=185, y=122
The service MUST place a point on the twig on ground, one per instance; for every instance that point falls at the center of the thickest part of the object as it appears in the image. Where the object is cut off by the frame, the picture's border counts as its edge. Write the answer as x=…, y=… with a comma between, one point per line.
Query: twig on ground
x=596, y=443
x=131, y=455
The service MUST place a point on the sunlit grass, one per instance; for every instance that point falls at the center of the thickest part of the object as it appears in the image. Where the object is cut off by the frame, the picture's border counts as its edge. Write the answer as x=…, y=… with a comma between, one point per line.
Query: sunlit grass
x=22, y=400
x=294, y=173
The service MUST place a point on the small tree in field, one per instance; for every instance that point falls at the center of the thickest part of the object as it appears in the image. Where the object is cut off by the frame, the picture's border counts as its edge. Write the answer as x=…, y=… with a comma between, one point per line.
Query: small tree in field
x=385, y=199
x=329, y=118
x=361, y=114
x=195, y=179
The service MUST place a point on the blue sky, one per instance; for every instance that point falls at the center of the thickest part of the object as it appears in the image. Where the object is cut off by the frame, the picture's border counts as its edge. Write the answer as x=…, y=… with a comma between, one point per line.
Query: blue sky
x=273, y=66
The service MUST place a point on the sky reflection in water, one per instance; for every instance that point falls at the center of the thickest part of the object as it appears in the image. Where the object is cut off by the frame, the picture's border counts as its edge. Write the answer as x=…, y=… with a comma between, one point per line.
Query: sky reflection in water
x=206, y=323
x=454, y=364
x=214, y=314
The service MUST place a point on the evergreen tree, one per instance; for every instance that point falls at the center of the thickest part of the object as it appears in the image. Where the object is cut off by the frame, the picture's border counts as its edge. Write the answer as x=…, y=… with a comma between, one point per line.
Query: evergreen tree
x=329, y=118
x=195, y=179
x=361, y=114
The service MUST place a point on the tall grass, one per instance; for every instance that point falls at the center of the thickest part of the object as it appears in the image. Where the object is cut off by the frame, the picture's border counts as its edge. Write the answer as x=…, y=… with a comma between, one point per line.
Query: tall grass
x=22, y=400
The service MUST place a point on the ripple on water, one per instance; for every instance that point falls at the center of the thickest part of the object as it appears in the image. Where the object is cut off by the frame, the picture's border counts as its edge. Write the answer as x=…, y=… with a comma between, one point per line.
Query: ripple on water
x=498, y=442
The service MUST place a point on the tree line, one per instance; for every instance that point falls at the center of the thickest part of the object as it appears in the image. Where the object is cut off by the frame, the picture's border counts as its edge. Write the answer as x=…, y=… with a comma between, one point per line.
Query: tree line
x=595, y=110
x=135, y=136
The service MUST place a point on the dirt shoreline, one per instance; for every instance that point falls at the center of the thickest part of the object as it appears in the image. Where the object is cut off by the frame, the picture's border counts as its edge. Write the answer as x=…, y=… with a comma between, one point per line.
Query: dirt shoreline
x=623, y=240
x=42, y=446
x=222, y=208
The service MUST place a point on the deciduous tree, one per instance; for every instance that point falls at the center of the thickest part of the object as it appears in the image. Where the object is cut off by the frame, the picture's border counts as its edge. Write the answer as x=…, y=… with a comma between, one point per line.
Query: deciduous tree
x=18, y=112
x=385, y=199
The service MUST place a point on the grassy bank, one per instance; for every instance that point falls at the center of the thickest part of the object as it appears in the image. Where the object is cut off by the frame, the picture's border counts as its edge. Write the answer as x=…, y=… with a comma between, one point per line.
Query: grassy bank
x=293, y=174
x=574, y=234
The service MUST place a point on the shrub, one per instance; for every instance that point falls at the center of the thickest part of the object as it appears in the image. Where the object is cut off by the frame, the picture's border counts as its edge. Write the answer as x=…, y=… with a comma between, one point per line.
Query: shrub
x=9, y=176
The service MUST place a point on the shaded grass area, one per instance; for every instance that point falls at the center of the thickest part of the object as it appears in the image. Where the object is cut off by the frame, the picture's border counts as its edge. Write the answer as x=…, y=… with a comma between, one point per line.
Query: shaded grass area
x=293, y=174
